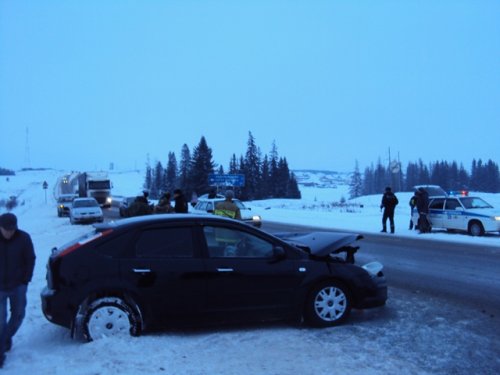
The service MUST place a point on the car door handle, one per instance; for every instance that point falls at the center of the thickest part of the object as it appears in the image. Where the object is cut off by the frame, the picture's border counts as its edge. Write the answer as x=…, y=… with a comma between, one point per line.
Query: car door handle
x=225, y=270
x=141, y=270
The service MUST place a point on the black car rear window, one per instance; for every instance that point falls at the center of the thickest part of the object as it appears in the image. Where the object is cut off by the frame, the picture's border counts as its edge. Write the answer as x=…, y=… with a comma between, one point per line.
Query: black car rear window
x=165, y=243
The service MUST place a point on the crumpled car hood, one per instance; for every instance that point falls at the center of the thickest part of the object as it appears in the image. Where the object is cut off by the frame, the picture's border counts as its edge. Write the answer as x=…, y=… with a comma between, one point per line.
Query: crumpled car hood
x=320, y=243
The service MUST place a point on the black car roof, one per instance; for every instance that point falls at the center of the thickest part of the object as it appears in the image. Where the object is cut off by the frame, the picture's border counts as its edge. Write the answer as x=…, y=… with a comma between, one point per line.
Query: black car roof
x=161, y=218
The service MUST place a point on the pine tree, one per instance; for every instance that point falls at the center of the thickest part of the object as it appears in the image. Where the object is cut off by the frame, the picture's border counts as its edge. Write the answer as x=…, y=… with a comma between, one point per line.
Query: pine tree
x=201, y=166
x=293, y=188
x=233, y=165
x=148, y=181
x=154, y=191
x=265, y=188
x=252, y=169
x=184, y=168
x=273, y=171
x=171, y=173
x=368, y=181
x=356, y=184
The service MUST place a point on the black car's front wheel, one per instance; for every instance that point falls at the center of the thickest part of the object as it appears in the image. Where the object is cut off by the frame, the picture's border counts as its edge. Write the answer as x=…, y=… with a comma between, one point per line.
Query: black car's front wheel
x=110, y=316
x=328, y=304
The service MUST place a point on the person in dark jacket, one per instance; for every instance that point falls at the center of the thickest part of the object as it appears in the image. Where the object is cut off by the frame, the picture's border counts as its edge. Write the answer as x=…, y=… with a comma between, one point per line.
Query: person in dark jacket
x=424, y=225
x=17, y=261
x=389, y=203
x=164, y=206
x=181, y=205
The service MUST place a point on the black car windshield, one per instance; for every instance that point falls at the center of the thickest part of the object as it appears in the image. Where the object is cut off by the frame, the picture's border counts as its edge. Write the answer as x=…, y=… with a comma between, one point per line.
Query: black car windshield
x=472, y=202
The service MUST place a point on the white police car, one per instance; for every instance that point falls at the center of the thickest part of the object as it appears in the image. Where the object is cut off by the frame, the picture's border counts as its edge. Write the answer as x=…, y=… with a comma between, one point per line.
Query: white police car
x=463, y=213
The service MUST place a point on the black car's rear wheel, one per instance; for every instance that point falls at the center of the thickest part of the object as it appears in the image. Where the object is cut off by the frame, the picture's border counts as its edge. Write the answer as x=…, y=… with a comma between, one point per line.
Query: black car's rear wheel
x=110, y=316
x=328, y=304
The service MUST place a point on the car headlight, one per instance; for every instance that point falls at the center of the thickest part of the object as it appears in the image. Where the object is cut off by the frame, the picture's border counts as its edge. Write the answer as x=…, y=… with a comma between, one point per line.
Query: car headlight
x=256, y=218
x=497, y=218
x=109, y=200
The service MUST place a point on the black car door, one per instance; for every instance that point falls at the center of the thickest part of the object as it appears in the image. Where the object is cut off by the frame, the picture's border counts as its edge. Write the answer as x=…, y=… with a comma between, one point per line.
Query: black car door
x=243, y=275
x=165, y=271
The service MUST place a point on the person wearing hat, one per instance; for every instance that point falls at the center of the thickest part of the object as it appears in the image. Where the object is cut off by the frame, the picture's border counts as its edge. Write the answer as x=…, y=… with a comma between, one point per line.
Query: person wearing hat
x=227, y=207
x=389, y=203
x=17, y=261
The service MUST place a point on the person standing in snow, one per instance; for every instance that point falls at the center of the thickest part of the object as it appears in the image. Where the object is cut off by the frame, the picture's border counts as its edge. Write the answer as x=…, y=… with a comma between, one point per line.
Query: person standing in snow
x=17, y=261
x=423, y=210
x=227, y=207
x=389, y=203
x=181, y=206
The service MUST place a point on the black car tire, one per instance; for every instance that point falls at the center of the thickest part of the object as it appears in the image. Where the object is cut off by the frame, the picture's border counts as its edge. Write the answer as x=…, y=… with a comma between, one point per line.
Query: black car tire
x=328, y=304
x=110, y=316
x=476, y=228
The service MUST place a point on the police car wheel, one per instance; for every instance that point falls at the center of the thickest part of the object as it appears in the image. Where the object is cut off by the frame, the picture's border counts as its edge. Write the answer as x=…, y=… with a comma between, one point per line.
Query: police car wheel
x=476, y=228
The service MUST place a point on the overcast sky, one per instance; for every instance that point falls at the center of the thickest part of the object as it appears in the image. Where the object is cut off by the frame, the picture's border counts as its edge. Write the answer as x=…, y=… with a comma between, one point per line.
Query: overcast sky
x=87, y=83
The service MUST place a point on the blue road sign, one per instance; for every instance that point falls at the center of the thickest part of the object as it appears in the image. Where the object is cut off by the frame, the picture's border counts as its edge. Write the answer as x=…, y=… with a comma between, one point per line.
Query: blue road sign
x=226, y=180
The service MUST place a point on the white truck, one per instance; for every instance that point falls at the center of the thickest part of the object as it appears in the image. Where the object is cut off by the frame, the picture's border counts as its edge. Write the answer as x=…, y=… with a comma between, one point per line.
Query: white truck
x=96, y=185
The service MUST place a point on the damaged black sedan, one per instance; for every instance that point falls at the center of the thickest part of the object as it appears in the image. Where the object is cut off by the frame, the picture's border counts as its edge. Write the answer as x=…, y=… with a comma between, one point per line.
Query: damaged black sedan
x=144, y=273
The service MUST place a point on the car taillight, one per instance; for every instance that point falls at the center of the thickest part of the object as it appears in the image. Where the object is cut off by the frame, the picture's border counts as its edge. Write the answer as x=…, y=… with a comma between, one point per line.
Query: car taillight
x=82, y=242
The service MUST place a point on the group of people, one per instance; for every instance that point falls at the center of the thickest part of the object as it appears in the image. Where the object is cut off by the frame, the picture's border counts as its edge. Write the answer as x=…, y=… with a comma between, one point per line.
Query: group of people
x=164, y=205
x=141, y=205
x=419, y=201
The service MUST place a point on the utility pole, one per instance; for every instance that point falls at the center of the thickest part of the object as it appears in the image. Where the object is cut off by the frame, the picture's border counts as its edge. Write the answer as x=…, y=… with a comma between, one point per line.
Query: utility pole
x=27, y=161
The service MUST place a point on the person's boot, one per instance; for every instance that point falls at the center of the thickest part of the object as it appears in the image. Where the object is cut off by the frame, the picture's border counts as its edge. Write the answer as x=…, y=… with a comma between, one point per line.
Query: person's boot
x=392, y=228
x=384, y=229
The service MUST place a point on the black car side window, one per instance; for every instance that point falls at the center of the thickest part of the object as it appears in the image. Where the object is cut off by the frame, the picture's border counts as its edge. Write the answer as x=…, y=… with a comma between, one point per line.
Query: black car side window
x=165, y=243
x=230, y=243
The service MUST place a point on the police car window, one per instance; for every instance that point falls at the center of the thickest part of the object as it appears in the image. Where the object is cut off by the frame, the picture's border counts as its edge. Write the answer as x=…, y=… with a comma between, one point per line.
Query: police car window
x=165, y=243
x=225, y=242
x=474, y=202
x=437, y=204
x=239, y=204
x=452, y=204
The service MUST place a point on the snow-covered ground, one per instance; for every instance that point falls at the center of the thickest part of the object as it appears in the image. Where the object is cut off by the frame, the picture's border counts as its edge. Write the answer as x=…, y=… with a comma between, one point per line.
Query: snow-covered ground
x=411, y=335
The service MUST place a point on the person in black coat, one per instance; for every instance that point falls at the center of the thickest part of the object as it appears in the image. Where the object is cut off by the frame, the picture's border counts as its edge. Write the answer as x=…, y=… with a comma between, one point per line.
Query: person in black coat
x=423, y=210
x=180, y=202
x=17, y=261
x=389, y=203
